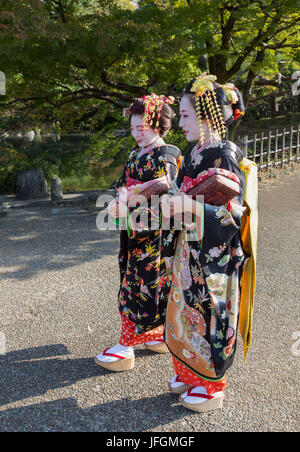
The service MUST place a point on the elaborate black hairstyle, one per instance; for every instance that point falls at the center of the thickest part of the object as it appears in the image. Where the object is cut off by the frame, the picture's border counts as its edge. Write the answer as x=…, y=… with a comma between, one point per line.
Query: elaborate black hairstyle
x=221, y=104
x=156, y=111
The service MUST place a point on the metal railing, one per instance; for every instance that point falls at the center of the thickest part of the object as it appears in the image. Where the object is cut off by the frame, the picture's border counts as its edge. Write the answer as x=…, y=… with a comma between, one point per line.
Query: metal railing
x=272, y=149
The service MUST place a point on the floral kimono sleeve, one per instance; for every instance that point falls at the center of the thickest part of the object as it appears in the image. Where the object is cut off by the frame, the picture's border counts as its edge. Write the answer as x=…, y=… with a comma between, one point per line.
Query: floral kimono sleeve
x=222, y=223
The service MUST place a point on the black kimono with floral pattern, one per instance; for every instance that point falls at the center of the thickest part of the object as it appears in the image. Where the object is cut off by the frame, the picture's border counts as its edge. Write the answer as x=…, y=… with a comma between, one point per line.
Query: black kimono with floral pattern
x=203, y=309
x=145, y=282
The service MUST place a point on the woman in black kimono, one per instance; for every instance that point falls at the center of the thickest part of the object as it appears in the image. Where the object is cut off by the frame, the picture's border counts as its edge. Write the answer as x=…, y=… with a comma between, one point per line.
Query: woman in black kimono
x=144, y=278
x=203, y=309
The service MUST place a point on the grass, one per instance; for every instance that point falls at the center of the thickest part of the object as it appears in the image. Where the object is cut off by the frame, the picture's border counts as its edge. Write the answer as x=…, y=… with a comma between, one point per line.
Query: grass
x=90, y=182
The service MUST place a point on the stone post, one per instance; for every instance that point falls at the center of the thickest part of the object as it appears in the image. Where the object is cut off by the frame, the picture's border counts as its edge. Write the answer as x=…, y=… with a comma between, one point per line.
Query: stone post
x=56, y=190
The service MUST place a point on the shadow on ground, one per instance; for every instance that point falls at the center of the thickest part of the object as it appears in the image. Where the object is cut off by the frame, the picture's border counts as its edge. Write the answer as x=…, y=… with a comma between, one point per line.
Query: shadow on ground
x=51, y=240
x=33, y=372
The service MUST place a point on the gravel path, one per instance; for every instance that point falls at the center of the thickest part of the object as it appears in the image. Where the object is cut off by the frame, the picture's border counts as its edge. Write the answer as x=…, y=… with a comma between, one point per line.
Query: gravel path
x=58, y=285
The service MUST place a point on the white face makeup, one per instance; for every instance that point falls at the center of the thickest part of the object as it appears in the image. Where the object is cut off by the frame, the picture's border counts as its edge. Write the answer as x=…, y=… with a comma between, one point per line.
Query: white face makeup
x=144, y=138
x=188, y=120
x=190, y=124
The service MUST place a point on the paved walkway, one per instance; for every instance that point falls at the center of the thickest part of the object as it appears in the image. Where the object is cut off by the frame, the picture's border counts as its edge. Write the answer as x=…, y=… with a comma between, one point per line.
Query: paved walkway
x=58, y=286
x=70, y=199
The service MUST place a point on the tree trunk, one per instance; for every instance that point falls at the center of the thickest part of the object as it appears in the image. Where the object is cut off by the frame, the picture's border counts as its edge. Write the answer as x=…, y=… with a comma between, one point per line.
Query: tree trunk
x=274, y=105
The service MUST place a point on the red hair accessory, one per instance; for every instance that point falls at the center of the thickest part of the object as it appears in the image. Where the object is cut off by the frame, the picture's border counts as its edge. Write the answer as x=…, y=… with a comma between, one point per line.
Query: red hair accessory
x=153, y=106
x=237, y=114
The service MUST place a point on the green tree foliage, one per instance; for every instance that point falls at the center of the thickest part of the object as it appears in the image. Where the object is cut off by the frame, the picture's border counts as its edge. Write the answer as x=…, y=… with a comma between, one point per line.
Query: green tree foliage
x=78, y=62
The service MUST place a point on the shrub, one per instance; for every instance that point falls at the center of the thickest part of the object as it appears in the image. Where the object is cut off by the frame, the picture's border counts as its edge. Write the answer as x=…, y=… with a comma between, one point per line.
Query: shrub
x=13, y=161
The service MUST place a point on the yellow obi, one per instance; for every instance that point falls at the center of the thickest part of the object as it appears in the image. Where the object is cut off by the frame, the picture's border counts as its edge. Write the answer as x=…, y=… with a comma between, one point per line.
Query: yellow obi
x=249, y=228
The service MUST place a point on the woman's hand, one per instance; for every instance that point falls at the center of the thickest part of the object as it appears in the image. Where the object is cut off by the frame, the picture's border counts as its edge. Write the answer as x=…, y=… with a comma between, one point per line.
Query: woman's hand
x=167, y=208
x=178, y=204
x=117, y=209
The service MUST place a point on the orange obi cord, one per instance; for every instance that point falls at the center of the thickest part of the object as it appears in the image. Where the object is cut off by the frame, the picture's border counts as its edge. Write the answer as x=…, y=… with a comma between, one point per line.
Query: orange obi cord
x=189, y=378
x=130, y=338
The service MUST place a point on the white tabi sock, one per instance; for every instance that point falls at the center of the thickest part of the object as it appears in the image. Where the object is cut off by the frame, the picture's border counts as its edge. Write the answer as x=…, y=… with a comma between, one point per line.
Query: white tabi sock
x=118, y=349
x=175, y=384
x=198, y=390
x=154, y=342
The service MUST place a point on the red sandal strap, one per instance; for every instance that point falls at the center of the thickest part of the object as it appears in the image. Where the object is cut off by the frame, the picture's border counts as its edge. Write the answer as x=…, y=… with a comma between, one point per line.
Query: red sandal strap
x=111, y=354
x=201, y=396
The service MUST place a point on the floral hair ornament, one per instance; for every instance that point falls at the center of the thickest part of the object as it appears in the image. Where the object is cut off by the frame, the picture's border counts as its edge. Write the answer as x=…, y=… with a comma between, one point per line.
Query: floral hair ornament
x=153, y=106
x=237, y=114
x=206, y=101
x=231, y=93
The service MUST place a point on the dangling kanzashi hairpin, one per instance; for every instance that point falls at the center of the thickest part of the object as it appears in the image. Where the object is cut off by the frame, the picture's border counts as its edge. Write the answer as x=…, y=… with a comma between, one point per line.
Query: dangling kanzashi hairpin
x=153, y=106
x=206, y=102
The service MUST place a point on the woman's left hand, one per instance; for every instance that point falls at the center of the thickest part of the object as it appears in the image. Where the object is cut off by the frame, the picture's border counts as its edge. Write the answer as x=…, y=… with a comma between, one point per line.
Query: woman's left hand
x=117, y=209
x=176, y=205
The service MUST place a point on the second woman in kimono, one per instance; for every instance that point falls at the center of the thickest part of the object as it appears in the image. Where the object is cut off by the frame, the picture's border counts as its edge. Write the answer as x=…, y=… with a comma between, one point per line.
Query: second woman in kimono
x=144, y=279
x=204, y=304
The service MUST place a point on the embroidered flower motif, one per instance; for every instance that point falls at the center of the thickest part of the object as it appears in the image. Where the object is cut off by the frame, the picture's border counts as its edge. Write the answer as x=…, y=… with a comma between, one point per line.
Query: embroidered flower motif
x=186, y=353
x=197, y=274
x=217, y=286
x=160, y=172
x=197, y=160
x=227, y=350
x=144, y=289
x=215, y=252
x=230, y=333
x=195, y=254
x=175, y=295
x=169, y=262
x=239, y=252
x=201, y=346
x=144, y=256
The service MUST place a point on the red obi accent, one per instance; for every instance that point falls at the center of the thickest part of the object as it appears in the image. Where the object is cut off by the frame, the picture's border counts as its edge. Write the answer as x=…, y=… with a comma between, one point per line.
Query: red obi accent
x=131, y=182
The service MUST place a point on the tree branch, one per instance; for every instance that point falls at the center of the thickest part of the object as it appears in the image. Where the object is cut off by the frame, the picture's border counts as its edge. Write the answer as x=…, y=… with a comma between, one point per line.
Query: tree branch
x=101, y=92
x=227, y=32
x=250, y=47
x=90, y=114
x=93, y=93
x=262, y=36
x=59, y=8
x=89, y=96
x=137, y=90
